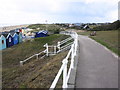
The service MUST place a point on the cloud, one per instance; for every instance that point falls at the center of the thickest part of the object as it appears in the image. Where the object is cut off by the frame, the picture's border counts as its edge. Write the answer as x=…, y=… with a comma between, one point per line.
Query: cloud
x=37, y=11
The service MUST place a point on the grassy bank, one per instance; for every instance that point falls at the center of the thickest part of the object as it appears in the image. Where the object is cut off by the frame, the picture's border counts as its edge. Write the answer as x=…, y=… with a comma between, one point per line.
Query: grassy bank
x=106, y=38
x=81, y=32
x=36, y=73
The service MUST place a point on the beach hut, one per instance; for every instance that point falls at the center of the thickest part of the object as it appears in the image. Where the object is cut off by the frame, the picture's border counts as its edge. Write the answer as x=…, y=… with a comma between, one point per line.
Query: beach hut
x=24, y=31
x=17, y=30
x=20, y=30
x=20, y=37
x=15, y=38
x=42, y=33
x=86, y=27
x=2, y=42
x=9, y=40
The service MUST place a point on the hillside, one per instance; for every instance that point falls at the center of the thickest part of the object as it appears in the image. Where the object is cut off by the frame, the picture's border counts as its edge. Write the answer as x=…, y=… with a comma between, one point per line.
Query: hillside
x=50, y=27
x=112, y=26
x=35, y=73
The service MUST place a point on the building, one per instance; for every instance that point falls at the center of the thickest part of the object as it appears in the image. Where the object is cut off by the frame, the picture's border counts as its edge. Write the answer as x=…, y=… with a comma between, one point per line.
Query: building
x=20, y=37
x=15, y=38
x=42, y=33
x=9, y=40
x=86, y=27
x=19, y=32
x=2, y=42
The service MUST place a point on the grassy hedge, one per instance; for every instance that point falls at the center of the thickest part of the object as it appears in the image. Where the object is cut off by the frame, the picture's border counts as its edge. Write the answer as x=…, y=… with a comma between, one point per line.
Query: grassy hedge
x=113, y=26
x=50, y=27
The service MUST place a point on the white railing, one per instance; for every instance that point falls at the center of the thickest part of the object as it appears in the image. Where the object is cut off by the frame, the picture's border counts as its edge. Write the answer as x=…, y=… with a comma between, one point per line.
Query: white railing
x=47, y=52
x=71, y=54
x=61, y=45
x=35, y=55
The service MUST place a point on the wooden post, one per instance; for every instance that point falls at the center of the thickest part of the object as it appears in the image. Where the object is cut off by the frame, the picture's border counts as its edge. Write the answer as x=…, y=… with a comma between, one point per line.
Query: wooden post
x=72, y=57
x=65, y=61
x=54, y=49
x=21, y=63
x=36, y=56
x=47, y=52
x=58, y=46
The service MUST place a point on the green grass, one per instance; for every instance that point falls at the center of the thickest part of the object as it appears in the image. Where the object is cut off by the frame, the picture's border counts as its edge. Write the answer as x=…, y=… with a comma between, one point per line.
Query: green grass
x=35, y=73
x=50, y=27
x=26, y=49
x=86, y=33
x=106, y=38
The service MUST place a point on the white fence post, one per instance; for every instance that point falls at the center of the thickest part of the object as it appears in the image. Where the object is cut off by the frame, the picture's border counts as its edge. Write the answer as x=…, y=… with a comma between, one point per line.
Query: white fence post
x=65, y=61
x=54, y=49
x=73, y=53
x=21, y=63
x=47, y=52
x=36, y=56
x=58, y=46
x=72, y=56
x=76, y=42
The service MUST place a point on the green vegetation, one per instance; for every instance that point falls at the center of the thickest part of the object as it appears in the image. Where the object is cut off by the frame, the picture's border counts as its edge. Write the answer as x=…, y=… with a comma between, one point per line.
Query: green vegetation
x=86, y=33
x=52, y=28
x=35, y=73
x=113, y=26
x=106, y=35
x=107, y=38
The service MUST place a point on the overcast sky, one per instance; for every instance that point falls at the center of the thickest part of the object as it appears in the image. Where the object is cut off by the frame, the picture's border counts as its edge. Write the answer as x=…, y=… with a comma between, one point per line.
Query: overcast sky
x=71, y=11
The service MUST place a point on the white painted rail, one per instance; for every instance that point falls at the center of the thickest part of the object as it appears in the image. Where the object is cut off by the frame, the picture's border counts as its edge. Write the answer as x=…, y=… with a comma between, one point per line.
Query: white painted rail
x=66, y=40
x=71, y=54
x=55, y=51
x=22, y=62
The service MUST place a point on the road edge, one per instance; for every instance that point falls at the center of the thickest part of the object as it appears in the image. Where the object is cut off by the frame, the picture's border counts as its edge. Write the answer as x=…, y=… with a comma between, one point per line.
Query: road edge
x=72, y=78
x=114, y=54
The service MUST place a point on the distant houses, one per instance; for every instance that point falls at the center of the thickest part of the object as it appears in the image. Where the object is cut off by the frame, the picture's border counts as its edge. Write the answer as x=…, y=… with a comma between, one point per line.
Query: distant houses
x=42, y=33
x=14, y=37
x=8, y=39
x=86, y=27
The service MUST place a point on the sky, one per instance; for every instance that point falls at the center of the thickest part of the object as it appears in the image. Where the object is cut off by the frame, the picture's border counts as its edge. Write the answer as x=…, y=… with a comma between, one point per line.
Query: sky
x=57, y=11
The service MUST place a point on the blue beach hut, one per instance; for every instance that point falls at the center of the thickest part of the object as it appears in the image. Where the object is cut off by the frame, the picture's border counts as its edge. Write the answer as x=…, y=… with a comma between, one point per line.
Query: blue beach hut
x=20, y=37
x=42, y=33
x=2, y=42
x=15, y=38
x=9, y=40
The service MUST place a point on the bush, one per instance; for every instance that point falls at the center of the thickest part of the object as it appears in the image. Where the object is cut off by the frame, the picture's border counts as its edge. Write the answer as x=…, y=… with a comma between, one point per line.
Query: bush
x=113, y=26
x=52, y=28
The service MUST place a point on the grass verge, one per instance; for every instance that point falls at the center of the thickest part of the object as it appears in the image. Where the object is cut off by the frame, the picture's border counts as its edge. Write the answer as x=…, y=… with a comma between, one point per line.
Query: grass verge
x=106, y=38
x=107, y=45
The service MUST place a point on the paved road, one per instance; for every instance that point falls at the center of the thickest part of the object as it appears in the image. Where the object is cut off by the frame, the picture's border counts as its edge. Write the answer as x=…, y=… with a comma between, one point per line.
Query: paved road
x=97, y=66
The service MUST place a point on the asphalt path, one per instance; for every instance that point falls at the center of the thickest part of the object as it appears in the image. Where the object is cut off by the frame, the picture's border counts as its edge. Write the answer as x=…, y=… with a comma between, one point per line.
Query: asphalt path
x=97, y=66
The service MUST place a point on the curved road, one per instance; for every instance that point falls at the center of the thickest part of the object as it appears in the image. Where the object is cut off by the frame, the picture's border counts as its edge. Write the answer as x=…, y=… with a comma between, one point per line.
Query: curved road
x=97, y=66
